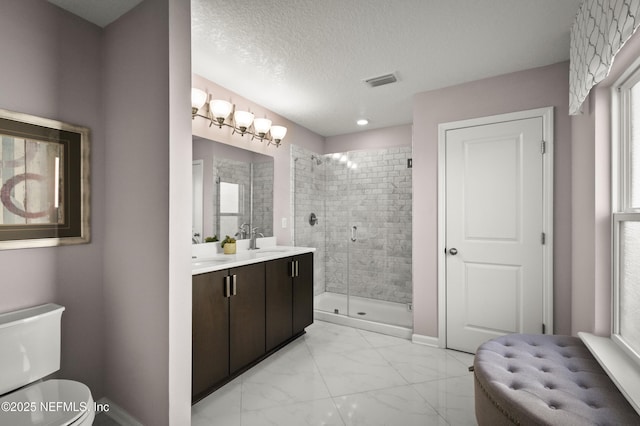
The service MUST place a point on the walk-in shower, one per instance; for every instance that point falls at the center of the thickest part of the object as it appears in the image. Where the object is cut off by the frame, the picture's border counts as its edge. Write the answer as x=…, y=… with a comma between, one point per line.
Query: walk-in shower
x=361, y=227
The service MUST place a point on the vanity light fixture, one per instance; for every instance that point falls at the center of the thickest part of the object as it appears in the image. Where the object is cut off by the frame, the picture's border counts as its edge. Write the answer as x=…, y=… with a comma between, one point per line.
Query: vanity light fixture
x=198, y=99
x=262, y=126
x=223, y=113
x=220, y=110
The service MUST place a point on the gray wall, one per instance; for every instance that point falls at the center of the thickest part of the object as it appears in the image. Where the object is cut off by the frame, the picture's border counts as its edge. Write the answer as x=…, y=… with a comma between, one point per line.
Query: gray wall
x=51, y=68
x=147, y=289
x=126, y=328
x=519, y=91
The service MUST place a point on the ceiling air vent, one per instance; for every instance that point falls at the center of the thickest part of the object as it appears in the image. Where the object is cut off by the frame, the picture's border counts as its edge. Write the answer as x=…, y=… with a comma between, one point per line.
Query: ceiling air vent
x=381, y=80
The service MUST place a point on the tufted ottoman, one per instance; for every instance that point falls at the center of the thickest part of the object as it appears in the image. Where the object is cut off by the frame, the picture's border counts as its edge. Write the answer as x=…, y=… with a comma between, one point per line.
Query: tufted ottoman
x=528, y=379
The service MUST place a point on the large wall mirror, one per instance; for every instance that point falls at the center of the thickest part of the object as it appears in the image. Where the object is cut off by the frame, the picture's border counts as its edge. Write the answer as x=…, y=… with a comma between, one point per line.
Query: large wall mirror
x=232, y=191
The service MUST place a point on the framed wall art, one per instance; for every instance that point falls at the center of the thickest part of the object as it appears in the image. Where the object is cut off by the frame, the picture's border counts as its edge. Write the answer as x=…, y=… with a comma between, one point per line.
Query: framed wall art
x=44, y=182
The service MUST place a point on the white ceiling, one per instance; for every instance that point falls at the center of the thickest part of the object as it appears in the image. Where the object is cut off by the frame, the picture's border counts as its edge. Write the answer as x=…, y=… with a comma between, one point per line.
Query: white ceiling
x=307, y=59
x=100, y=12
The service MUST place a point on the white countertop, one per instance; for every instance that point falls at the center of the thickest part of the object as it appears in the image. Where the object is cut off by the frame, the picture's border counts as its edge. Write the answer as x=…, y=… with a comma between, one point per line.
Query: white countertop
x=209, y=257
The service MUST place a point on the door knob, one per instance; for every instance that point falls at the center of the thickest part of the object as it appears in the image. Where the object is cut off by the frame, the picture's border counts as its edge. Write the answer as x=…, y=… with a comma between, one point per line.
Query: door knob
x=453, y=251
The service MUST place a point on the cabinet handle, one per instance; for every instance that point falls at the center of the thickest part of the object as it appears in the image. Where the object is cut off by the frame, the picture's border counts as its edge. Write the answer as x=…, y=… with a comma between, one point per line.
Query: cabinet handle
x=297, y=270
x=292, y=270
x=234, y=282
x=227, y=286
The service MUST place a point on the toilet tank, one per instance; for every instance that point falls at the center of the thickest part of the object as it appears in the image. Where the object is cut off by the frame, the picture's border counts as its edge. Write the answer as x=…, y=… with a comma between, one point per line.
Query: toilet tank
x=29, y=345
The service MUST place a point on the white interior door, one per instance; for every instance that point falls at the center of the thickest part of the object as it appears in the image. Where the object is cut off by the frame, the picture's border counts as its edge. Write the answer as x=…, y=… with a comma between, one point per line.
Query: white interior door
x=494, y=230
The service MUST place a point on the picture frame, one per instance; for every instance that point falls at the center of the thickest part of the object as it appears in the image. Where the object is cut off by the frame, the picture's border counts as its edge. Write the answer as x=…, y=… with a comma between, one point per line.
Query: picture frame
x=44, y=182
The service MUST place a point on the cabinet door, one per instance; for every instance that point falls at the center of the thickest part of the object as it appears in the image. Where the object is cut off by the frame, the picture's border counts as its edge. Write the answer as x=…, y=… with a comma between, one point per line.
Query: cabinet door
x=210, y=331
x=247, y=316
x=279, y=302
x=303, y=293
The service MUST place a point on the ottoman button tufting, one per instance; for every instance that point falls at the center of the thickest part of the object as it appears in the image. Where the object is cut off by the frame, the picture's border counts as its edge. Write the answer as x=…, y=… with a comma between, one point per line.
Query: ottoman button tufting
x=569, y=404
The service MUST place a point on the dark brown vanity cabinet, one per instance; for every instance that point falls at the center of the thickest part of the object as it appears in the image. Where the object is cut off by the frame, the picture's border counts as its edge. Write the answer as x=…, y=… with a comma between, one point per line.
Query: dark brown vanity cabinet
x=289, y=298
x=303, y=292
x=209, y=331
x=228, y=327
x=241, y=315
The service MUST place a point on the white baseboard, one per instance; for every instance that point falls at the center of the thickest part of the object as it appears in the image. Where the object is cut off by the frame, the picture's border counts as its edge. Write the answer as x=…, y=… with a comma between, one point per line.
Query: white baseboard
x=425, y=340
x=118, y=414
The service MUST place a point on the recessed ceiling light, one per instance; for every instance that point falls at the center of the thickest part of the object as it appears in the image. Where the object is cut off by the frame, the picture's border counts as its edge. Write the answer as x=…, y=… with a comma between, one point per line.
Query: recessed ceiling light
x=362, y=122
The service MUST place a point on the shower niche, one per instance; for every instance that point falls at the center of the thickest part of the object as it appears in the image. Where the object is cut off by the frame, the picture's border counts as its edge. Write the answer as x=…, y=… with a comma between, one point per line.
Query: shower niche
x=362, y=202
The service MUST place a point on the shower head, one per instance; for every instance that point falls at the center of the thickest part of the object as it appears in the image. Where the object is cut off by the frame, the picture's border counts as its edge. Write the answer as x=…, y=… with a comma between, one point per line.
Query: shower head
x=317, y=159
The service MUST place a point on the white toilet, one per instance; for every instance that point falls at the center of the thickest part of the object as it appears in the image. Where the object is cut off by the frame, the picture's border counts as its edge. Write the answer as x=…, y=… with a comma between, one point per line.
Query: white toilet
x=30, y=351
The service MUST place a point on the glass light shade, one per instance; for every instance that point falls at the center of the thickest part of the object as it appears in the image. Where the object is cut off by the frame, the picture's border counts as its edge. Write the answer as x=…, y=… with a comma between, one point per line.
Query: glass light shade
x=198, y=98
x=261, y=126
x=278, y=132
x=220, y=109
x=243, y=119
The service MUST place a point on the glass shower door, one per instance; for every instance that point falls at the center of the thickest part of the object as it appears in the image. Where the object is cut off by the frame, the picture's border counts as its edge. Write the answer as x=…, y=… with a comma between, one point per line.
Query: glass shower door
x=363, y=237
x=379, y=203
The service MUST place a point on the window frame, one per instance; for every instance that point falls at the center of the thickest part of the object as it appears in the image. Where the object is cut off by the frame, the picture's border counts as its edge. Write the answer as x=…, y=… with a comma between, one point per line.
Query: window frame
x=621, y=195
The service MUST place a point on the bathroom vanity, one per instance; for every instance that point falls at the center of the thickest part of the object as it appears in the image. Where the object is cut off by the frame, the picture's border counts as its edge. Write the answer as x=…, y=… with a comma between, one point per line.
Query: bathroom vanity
x=245, y=307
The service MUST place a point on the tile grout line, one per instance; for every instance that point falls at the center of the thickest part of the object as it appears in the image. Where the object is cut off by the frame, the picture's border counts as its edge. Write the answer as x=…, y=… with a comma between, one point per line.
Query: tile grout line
x=315, y=362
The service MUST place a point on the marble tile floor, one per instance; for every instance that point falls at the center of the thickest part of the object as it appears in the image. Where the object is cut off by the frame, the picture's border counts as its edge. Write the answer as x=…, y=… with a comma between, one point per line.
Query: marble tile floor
x=337, y=375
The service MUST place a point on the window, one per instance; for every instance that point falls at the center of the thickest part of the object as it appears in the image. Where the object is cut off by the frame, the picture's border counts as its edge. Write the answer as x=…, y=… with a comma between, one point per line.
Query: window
x=230, y=207
x=620, y=354
x=626, y=216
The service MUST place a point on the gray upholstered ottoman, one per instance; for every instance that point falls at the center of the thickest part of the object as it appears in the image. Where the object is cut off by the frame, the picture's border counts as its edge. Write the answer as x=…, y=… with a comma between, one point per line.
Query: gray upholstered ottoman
x=529, y=379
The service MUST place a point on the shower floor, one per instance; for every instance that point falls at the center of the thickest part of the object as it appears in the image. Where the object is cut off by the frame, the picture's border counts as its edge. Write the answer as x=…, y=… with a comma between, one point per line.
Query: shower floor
x=365, y=309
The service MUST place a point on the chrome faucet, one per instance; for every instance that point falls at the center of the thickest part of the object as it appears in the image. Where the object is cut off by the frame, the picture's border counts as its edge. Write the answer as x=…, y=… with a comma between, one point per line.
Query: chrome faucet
x=254, y=236
x=242, y=231
x=195, y=238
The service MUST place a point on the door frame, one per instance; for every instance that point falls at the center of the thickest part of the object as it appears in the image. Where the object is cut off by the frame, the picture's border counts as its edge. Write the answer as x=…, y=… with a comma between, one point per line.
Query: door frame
x=547, y=222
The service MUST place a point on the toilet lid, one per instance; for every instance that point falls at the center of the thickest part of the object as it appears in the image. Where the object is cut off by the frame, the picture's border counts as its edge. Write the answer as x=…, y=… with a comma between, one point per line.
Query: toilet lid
x=52, y=402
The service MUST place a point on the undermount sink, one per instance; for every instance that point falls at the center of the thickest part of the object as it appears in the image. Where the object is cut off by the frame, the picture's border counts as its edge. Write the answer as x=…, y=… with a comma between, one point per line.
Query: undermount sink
x=272, y=250
x=268, y=251
x=207, y=261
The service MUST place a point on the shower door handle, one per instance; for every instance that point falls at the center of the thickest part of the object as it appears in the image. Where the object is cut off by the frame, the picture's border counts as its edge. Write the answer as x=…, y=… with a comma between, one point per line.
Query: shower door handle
x=354, y=233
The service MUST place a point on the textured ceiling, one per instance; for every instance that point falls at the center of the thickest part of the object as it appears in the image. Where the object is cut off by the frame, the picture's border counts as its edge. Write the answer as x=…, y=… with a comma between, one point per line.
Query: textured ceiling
x=100, y=12
x=307, y=59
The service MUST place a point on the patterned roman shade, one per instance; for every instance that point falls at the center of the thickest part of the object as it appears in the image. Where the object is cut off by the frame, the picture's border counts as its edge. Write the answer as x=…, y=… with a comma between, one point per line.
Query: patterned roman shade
x=599, y=31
